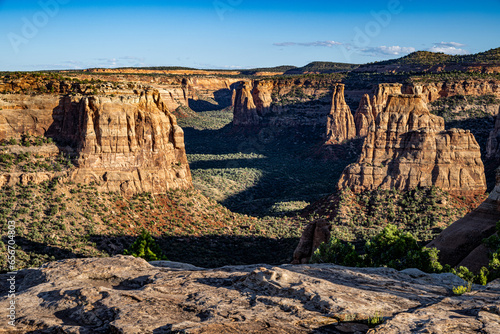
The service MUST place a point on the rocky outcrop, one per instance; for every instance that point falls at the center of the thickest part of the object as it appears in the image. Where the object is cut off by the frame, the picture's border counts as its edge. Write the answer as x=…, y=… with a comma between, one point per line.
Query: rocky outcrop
x=493, y=145
x=314, y=234
x=340, y=123
x=128, y=295
x=127, y=144
x=364, y=116
x=286, y=103
x=370, y=107
x=382, y=94
x=461, y=244
x=407, y=147
x=245, y=111
x=130, y=145
x=432, y=91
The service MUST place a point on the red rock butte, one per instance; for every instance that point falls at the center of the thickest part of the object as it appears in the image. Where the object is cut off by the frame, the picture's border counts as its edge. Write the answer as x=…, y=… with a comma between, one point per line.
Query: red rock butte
x=408, y=147
x=128, y=144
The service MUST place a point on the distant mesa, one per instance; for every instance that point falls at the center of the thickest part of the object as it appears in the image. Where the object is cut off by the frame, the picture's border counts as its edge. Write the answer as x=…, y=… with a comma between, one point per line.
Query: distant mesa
x=433, y=62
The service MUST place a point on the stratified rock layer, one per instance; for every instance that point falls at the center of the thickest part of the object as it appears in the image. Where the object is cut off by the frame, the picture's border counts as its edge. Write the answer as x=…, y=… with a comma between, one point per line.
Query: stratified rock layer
x=245, y=111
x=128, y=144
x=370, y=107
x=432, y=91
x=287, y=103
x=131, y=145
x=128, y=295
x=340, y=124
x=407, y=147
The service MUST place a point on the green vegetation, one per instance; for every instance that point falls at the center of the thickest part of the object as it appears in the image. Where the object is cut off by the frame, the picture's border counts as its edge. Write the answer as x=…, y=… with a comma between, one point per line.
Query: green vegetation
x=435, y=58
x=424, y=212
x=391, y=247
x=420, y=58
x=27, y=141
x=397, y=249
x=323, y=67
x=206, y=120
x=460, y=290
x=493, y=244
x=459, y=107
x=254, y=174
x=375, y=320
x=24, y=159
x=145, y=247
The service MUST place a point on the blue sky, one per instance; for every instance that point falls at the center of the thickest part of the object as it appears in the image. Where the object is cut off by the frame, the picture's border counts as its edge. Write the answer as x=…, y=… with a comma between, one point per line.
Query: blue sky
x=66, y=34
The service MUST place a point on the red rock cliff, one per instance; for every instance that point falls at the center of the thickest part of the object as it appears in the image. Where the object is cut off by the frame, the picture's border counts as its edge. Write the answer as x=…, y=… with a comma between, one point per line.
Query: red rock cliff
x=432, y=91
x=340, y=122
x=407, y=147
x=128, y=144
x=283, y=102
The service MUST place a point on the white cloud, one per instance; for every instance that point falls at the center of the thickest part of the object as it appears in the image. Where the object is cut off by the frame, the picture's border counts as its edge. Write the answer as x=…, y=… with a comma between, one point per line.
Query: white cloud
x=388, y=50
x=126, y=61
x=452, y=48
x=317, y=43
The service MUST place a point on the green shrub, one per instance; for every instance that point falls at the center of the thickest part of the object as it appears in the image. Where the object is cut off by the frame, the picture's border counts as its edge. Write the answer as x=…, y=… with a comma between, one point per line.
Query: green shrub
x=146, y=248
x=460, y=290
x=375, y=320
x=335, y=251
x=390, y=248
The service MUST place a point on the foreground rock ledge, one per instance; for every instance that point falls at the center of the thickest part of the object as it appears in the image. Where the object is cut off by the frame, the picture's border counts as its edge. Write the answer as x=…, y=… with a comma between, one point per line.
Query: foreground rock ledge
x=127, y=295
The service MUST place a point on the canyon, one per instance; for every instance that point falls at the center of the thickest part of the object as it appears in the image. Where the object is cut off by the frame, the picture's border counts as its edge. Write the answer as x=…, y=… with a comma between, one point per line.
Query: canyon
x=240, y=192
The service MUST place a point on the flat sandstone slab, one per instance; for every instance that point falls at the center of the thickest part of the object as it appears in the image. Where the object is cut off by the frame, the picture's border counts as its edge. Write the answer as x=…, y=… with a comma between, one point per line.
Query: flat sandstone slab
x=123, y=294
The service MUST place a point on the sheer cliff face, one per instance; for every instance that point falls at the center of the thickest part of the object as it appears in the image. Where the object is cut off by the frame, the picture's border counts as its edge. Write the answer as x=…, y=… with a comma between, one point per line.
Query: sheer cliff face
x=493, y=145
x=131, y=145
x=127, y=144
x=407, y=147
x=340, y=122
x=283, y=103
x=245, y=111
x=432, y=91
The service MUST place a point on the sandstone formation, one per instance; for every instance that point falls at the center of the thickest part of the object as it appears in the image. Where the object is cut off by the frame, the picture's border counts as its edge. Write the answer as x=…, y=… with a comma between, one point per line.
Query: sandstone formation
x=340, y=124
x=493, y=145
x=433, y=91
x=295, y=103
x=461, y=244
x=245, y=111
x=127, y=295
x=369, y=108
x=364, y=116
x=128, y=144
x=407, y=147
x=314, y=234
